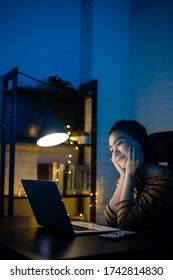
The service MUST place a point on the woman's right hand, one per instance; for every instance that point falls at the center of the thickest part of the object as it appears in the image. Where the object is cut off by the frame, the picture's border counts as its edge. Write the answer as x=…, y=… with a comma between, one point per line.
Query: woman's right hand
x=118, y=167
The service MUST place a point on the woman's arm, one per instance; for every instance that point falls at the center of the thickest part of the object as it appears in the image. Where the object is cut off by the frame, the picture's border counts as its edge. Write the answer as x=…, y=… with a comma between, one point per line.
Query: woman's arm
x=154, y=204
x=110, y=210
x=116, y=196
x=134, y=162
x=125, y=188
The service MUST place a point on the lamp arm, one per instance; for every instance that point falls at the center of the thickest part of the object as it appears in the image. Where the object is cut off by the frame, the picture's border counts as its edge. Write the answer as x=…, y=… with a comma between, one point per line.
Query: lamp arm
x=30, y=116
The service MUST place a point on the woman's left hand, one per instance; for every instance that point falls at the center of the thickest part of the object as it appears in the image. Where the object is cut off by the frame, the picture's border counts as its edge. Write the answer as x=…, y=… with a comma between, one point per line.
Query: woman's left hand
x=135, y=159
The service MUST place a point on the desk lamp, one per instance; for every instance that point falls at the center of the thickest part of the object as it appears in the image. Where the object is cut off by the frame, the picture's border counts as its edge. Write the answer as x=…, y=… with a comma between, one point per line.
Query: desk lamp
x=51, y=132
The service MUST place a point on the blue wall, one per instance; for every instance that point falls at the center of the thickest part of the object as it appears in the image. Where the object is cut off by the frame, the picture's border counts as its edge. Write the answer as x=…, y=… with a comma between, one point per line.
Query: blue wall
x=111, y=46
x=41, y=37
x=152, y=63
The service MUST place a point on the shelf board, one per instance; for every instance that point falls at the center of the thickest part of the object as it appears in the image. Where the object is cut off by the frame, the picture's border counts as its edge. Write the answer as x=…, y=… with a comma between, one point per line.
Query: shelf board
x=17, y=196
x=49, y=92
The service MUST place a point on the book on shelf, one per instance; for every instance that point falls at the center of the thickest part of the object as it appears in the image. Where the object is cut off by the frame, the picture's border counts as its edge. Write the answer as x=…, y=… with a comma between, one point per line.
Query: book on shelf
x=44, y=171
x=71, y=178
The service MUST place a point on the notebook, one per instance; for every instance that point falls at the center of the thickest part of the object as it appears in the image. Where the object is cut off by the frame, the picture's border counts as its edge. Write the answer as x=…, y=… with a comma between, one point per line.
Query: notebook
x=49, y=209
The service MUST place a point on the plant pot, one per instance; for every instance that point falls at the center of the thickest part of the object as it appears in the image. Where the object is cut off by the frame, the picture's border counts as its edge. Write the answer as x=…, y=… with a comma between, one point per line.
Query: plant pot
x=83, y=139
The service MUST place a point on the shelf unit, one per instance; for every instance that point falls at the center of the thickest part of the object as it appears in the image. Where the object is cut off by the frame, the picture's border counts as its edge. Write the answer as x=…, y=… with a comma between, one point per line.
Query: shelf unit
x=19, y=103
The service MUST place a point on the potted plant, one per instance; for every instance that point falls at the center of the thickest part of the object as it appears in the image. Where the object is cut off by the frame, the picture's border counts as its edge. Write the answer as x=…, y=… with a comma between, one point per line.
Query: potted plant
x=61, y=84
x=84, y=138
x=80, y=136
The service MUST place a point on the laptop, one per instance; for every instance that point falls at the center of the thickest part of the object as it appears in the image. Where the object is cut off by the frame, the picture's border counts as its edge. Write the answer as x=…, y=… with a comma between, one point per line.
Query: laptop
x=49, y=210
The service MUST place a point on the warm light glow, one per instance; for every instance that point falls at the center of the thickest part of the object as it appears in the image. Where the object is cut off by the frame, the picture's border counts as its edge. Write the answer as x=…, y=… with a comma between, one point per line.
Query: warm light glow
x=32, y=131
x=68, y=127
x=52, y=139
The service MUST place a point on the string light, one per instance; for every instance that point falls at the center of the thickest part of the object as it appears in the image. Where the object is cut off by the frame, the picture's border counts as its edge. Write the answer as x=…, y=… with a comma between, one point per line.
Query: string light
x=69, y=160
x=69, y=157
x=96, y=200
x=68, y=126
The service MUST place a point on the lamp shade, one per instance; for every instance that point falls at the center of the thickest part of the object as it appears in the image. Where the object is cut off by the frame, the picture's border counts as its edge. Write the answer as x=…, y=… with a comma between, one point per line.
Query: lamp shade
x=51, y=133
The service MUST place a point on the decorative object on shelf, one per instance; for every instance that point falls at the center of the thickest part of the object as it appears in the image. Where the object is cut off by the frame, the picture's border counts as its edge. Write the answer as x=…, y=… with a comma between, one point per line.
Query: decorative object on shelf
x=60, y=83
x=84, y=138
x=80, y=136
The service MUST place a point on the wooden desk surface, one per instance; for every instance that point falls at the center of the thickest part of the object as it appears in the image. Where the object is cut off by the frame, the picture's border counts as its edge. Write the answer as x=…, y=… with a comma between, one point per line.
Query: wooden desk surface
x=22, y=238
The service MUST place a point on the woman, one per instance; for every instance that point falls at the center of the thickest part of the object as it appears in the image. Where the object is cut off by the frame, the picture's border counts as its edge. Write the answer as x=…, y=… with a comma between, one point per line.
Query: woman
x=143, y=198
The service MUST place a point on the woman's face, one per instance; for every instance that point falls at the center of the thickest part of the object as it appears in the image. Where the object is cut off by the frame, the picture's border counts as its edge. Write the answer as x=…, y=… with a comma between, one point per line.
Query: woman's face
x=119, y=143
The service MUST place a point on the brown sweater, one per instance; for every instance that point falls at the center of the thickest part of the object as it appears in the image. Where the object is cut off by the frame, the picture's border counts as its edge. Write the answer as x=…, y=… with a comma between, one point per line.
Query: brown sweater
x=152, y=206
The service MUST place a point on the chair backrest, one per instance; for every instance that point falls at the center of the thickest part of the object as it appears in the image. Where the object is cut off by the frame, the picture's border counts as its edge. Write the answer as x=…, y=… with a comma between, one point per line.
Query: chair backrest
x=163, y=145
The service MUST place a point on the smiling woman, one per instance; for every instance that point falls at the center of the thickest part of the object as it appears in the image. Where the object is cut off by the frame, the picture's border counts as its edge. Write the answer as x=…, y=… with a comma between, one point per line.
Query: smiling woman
x=143, y=197
x=119, y=144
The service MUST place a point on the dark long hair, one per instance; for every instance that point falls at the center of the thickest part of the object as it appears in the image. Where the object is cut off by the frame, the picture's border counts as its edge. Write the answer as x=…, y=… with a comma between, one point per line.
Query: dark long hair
x=137, y=132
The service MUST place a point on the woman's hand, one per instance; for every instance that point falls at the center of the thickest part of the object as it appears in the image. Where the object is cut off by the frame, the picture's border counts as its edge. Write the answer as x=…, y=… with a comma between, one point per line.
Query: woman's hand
x=118, y=167
x=135, y=159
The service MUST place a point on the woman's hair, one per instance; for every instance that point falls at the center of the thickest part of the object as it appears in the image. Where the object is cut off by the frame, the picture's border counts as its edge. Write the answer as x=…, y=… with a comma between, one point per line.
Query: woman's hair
x=137, y=132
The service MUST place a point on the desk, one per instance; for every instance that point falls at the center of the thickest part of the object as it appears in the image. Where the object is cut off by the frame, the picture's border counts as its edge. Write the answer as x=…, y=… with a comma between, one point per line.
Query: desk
x=22, y=238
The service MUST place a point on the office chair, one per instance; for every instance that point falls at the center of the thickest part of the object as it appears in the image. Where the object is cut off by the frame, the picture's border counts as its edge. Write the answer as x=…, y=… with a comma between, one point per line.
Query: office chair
x=163, y=146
